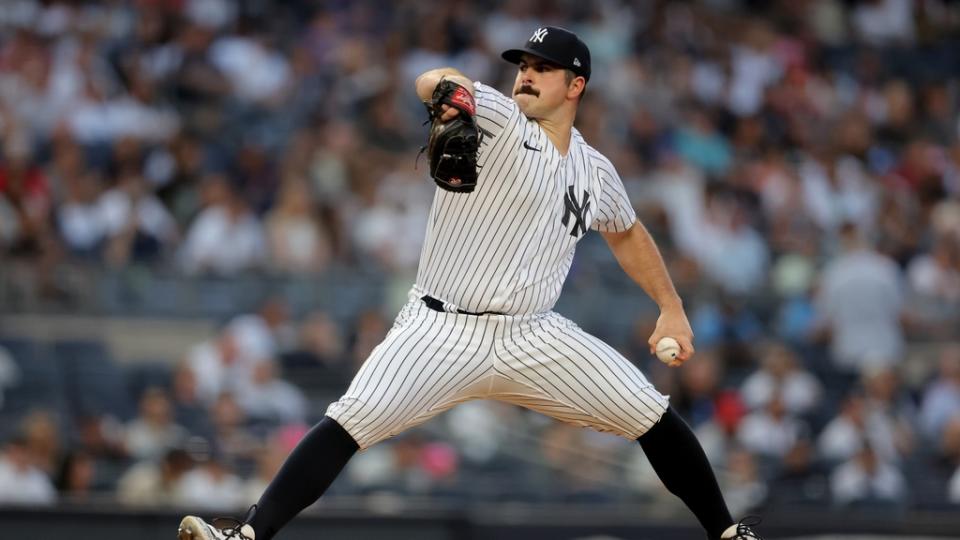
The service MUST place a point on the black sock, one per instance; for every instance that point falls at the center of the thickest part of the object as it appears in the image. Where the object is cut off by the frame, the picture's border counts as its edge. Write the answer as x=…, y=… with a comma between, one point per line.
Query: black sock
x=304, y=477
x=681, y=464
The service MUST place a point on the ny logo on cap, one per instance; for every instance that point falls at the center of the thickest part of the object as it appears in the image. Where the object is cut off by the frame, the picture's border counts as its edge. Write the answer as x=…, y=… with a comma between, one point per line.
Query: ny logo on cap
x=538, y=35
x=576, y=62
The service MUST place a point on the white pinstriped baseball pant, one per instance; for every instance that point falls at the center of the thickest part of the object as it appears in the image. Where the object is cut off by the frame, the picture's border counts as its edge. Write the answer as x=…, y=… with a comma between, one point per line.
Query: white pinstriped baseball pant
x=431, y=361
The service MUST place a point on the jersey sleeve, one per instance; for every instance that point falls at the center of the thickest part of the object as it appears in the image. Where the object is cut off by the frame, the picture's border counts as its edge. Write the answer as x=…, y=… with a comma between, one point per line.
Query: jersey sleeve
x=494, y=110
x=614, y=212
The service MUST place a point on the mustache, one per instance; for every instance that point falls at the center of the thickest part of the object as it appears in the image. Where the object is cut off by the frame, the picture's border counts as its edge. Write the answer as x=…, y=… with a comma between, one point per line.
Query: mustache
x=526, y=89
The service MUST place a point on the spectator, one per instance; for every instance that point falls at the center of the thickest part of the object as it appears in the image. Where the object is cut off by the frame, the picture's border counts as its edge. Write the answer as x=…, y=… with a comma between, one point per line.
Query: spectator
x=730, y=250
x=210, y=486
x=770, y=432
x=100, y=117
x=75, y=478
x=21, y=480
x=386, y=225
x=265, y=333
x=844, y=436
x=42, y=437
x=409, y=464
x=867, y=480
x=102, y=437
x=234, y=444
x=278, y=447
x=150, y=483
x=837, y=191
x=700, y=144
x=198, y=85
x=321, y=352
x=153, y=432
x=189, y=410
x=255, y=175
x=859, y=304
x=137, y=225
x=698, y=389
x=271, y=398
x=887, y=397
x=256, y=72
x=298, y=241
x=781, y=375
x=24, y=188
x=884, y=22
x=466, y=423
x=218, y=366
x=743, y=486
x=941, y=399
x=177, y=170
x=226, y=238
x=935, y=276
x=81, y=225
x=581, y=460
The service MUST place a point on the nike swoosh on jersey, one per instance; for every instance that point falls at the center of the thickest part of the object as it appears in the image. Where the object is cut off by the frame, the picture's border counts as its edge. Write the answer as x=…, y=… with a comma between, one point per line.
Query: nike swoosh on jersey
x=528, y=147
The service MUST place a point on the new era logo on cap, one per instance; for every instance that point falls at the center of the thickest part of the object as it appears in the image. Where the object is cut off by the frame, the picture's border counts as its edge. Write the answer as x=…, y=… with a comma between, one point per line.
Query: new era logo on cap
x=558, y=45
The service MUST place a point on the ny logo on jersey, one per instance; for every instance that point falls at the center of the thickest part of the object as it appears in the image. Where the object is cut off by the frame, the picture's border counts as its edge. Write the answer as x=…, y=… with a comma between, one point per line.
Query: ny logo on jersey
x=538, y=35
x=577, y=210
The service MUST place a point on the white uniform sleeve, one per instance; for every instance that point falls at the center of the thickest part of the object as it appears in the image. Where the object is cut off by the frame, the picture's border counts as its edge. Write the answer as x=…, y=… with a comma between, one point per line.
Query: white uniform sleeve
x=494, y=110
x=614, y=211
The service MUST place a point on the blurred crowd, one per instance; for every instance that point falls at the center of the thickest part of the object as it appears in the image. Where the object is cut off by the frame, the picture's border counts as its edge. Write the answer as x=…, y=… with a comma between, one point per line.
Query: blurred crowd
x=798, y=163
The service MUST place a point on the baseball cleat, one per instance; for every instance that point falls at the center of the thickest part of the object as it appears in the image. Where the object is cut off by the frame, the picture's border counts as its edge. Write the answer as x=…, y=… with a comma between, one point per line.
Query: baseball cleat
x=194, y=528
x=742, y=530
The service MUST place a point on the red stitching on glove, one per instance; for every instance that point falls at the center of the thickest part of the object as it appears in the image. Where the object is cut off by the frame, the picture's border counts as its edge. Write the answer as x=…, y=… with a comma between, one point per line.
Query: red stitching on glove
x=463, y=100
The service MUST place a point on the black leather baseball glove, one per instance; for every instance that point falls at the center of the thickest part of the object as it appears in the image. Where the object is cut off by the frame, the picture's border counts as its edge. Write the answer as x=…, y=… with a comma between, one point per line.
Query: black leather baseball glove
x=452, y=146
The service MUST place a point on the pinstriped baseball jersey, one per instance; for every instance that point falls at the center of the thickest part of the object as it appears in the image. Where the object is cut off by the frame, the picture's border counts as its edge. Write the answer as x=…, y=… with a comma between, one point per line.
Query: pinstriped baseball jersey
x=508, y=246
x=505, y=248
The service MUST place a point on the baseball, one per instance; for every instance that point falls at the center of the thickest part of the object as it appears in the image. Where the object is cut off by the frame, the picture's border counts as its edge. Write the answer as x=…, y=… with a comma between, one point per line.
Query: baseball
x=667, y=349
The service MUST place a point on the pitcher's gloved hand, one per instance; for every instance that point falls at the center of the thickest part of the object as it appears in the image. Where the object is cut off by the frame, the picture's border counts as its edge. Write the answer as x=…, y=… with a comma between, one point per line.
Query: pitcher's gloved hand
x=452, y=145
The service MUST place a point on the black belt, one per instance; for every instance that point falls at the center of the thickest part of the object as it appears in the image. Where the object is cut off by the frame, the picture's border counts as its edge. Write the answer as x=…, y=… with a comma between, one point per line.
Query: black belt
x=437, y=305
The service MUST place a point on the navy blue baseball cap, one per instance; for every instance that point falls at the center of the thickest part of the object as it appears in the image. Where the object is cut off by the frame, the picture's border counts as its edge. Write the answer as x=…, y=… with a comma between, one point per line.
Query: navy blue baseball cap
x=557, y=45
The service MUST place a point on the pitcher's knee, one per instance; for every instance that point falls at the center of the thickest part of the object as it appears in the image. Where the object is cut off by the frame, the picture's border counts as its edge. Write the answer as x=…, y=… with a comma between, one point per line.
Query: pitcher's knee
x=642, y=415
x=363, y=421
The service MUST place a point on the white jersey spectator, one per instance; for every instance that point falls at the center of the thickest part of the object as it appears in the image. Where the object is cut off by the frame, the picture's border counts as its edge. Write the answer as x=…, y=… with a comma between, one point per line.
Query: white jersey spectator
x=837, y=191
x=226, y=238
x=256, y=73
x=856, y=426
x=866, y=478
x=265, y=333
x=218, y=367
x=884, y=22
x=211, y=487
x=153, y=432
x=79, y=218
x=860, y=301
x=119, y=209
x=935, y=276
x=770, y=431
x=941, y=401
x=780, y=377
x=268, y=397
x=21, y=481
